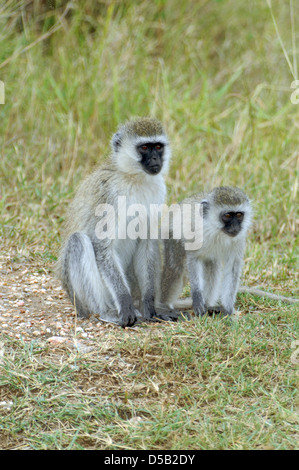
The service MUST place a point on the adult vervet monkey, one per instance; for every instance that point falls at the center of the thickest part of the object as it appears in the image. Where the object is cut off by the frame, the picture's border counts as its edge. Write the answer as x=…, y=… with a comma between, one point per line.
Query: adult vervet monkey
x=97, y=273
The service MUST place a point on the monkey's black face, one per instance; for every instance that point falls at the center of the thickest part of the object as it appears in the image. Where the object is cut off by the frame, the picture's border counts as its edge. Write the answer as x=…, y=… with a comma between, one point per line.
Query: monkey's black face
x=151, y=157
x=232, y=222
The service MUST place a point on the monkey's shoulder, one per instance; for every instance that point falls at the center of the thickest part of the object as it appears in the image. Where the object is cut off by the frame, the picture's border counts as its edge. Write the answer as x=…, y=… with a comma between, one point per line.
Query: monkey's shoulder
x=98, y=183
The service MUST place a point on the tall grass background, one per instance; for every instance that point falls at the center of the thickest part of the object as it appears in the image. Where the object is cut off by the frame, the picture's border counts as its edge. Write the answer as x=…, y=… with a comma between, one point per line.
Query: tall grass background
x=213, y=71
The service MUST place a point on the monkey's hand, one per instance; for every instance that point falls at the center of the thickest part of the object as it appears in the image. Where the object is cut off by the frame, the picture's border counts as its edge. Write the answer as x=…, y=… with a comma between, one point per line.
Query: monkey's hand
x=166, y=313
x=171, y=315
x=150, y=313
x=199, y=307
x=149, y=310
x=161, y=314
x=128, y=313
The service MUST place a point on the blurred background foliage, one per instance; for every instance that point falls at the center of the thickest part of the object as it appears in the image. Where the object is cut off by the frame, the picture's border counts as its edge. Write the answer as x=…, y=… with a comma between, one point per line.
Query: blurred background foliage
x=218, y=73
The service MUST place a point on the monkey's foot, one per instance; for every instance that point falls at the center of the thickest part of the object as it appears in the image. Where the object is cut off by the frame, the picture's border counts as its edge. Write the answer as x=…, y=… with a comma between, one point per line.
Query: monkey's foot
x=113, y=316
x=170, y=314
x=217, y=310
x=158, y=318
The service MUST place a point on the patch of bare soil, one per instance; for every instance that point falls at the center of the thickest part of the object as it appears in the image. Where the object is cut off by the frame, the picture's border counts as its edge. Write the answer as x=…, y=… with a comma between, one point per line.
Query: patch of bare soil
x=34, y=306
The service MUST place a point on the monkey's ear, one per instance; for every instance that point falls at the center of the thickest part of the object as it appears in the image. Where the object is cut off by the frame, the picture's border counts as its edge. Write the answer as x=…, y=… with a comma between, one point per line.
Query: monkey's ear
x=116, y=141
x=205, y=207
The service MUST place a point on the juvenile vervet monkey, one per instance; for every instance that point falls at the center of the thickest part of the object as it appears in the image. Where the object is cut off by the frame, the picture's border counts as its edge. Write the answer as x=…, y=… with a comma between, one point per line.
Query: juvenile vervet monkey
x=214, y=269
x=98, y=273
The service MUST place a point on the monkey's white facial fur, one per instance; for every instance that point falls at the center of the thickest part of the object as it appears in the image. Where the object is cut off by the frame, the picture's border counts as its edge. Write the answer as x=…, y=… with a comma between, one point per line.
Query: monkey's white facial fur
x=147, y=153
x=228, y=212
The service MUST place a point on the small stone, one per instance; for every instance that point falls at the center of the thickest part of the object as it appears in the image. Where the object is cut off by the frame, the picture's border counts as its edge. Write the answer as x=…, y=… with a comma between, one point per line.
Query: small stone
x=56, y=340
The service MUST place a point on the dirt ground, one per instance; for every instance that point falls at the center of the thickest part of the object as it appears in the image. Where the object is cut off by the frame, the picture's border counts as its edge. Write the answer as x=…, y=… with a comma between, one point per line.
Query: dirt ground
x=33, y=306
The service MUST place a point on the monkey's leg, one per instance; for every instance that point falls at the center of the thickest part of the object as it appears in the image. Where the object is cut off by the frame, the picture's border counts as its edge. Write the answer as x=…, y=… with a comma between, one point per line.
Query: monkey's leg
x=134, y=287
x=80, y=275
x=114, y=278
x=196, y=283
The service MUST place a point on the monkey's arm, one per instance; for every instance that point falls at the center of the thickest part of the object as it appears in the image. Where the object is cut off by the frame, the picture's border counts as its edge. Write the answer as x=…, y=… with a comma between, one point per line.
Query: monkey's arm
x=196, y=279
x=230, y=281
x=112, y=272
x=173, y=271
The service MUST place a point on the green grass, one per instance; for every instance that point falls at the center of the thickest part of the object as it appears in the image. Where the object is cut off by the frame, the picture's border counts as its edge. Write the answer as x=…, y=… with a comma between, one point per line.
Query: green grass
x=192, y=385
x=215, y=73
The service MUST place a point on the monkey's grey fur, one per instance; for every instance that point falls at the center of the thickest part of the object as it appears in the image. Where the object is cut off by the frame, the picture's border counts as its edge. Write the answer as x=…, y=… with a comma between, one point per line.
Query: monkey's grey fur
x=98, y=274
x=214, y=270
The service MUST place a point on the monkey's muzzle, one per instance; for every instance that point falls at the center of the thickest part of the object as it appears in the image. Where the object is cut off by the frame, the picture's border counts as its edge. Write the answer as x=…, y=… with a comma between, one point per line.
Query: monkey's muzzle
x=154, y=170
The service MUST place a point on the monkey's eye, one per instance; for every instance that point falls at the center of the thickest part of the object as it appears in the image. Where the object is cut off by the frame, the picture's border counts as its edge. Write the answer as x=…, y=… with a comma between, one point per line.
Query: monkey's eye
x=158, y=147
x=227, y=216
x=239, y=215
x=144, y=147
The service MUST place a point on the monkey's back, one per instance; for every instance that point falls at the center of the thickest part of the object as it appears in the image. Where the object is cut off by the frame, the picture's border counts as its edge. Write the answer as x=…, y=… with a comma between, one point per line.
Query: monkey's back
x=81, y=212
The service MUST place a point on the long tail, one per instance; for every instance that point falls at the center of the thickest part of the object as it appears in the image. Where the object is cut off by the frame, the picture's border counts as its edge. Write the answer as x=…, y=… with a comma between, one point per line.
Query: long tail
x=269, y=295
x=186, y=304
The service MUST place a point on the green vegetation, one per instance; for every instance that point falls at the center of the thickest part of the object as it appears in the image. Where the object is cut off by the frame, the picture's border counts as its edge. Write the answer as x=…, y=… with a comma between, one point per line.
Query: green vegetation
x=216, y=74
x=192, y=385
